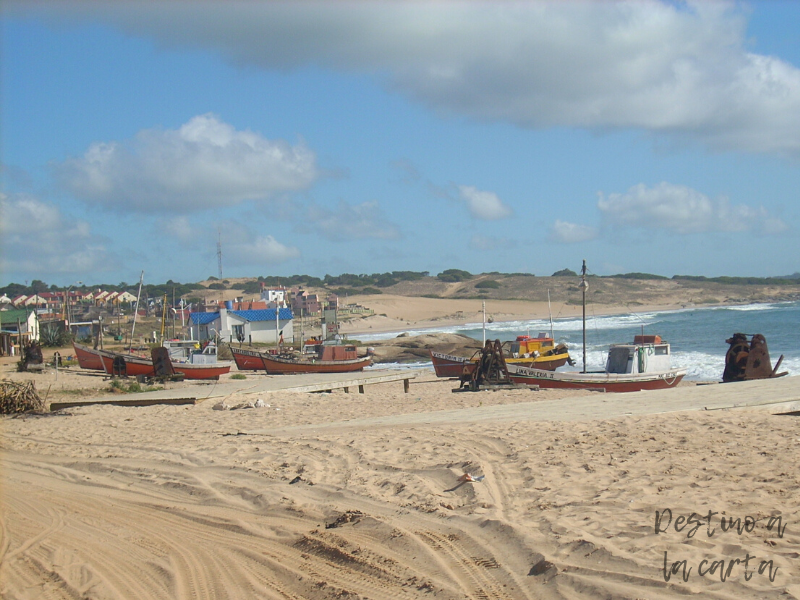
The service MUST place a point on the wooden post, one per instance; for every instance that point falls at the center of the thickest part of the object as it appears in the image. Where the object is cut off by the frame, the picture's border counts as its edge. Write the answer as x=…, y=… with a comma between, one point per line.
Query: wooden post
x=405, y=385
x=346, y=390
x=360, y=389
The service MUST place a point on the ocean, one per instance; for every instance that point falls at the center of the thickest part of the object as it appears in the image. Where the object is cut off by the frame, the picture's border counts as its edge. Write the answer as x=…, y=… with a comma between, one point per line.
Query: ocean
x=697, y=335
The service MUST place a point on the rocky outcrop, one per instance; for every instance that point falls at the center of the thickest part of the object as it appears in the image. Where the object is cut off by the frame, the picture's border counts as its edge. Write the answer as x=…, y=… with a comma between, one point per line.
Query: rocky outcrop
x=406, y=348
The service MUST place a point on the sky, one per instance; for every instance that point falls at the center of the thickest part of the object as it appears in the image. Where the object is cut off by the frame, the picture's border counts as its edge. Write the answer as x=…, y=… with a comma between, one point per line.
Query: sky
x=364, y=137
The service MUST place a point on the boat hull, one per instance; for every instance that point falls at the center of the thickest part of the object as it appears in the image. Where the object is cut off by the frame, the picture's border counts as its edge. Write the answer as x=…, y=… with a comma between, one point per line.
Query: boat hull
x=447, y=365
x=103, y=360
x=247, y=360
x=608, y=382
x=88, y=358
x=275, y=365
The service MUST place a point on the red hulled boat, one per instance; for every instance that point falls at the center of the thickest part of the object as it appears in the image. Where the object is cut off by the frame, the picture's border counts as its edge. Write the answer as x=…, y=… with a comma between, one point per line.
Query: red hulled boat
x=103, y=360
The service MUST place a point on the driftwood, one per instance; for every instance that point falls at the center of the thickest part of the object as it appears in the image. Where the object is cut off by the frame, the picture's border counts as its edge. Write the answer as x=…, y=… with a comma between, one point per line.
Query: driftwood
x=19, y=397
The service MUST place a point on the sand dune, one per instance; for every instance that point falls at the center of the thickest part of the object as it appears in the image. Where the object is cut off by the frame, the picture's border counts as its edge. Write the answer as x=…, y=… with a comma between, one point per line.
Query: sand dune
x=183, y=502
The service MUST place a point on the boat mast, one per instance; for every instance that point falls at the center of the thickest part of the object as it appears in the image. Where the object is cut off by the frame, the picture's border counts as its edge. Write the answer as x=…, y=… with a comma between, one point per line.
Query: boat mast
x=583, y=287
x=550, y=312
x=136, y=312
x=484, y=322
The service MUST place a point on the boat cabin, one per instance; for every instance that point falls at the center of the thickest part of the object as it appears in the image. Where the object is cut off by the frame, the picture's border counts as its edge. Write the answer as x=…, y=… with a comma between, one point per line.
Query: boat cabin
x=526, y=346
x=337, y=353
x=647, y=354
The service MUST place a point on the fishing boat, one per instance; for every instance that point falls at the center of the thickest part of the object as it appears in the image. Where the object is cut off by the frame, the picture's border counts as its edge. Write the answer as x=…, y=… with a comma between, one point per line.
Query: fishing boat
x=247, y=360
x=326, y=359
x=103, y=360
x=539, y=352
x=643, y=365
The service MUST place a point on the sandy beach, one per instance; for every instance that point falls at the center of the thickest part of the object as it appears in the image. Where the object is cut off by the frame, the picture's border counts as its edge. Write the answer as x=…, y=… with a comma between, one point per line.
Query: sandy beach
x=399, y=313
x=303, y=498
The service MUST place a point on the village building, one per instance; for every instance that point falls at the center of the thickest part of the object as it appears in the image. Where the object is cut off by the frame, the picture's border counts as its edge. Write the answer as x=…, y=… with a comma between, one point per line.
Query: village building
x=244, y=326
x=17, y=326
x=274, y=297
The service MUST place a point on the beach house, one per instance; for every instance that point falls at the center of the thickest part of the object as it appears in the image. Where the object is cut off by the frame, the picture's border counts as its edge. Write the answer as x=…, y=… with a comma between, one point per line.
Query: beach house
x=262, y=325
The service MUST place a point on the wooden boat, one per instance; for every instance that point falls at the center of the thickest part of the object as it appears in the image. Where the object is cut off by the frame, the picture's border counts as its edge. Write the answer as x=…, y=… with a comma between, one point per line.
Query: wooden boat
x=320, y=359
x=103, y=360
x=540, y=353
x=337, y=358
x=281, y=365
x=643, y=365
x=88, y=358
x=247, y=360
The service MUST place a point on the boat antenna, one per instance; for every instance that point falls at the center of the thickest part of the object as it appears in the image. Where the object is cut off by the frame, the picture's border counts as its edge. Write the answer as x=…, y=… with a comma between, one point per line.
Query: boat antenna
x=583, y=287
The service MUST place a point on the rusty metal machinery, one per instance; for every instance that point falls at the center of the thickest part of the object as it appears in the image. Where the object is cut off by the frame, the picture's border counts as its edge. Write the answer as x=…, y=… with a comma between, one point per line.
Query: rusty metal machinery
x=749, y=359
x=490, y=369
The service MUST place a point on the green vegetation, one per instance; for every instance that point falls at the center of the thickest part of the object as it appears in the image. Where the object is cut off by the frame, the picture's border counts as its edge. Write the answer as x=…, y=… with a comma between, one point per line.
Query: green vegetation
x=737, y=280
x=376, y=279
x=638, y=276
x=565, y=273
x=488, y=283
x=53, y=335
x=342, y=292
x=118, y=386
x=453, y=275
x=238, y=376
x=217, y=286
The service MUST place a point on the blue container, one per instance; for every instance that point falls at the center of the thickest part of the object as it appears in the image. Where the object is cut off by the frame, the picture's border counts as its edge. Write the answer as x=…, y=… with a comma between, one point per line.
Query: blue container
x=229, y=304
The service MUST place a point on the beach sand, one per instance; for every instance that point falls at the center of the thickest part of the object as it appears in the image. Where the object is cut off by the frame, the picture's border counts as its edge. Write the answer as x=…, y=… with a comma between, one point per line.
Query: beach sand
x=298, y=500
x=401, y=313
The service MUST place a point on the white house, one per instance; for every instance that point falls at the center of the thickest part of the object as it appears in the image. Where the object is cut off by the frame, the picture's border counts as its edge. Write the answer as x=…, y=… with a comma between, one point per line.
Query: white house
x=262, y=325
x=22, y=322
x=274, y=297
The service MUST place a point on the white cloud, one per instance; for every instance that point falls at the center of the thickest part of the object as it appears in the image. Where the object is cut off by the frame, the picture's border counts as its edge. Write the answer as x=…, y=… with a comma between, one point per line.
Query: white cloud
x=347, y=222
x=179, y=228
x=203, y=164
x=684, y=210
x=247, y=250
x=270, y=250
x=483, y=205
x=570, y=233
x=663, y=66
x=39, y=241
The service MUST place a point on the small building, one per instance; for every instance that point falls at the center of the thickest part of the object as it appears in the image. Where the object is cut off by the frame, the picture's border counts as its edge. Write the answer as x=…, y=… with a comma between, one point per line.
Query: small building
x=243, y=325
x=125, y=297
x=274, y=297
x=304, y=303
x=17, y=326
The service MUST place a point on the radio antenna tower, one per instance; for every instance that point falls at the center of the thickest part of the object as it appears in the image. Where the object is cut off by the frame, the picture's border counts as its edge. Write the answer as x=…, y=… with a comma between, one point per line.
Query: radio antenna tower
x=219, y=252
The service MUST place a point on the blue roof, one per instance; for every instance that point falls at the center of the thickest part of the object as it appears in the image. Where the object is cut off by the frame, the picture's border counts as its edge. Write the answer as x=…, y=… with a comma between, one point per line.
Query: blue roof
x=199, y=318
x=264, y=314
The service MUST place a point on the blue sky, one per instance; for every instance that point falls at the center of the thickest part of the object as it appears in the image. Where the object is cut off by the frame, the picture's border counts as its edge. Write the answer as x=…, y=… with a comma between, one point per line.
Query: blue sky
x=331, y=137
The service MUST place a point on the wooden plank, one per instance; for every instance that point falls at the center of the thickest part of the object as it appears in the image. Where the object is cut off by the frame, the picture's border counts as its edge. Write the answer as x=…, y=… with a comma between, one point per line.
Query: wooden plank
x=130, y=402
x=362, y=381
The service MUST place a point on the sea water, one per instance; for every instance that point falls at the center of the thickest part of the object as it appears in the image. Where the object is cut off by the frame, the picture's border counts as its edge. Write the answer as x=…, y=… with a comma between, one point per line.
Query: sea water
x=696, y=335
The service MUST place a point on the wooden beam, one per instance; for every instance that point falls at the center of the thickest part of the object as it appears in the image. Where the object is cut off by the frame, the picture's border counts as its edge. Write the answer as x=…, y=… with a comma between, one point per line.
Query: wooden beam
x=132, y=402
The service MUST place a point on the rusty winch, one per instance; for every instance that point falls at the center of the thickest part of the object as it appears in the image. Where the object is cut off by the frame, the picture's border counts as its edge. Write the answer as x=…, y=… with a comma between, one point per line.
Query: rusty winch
x=749, y=359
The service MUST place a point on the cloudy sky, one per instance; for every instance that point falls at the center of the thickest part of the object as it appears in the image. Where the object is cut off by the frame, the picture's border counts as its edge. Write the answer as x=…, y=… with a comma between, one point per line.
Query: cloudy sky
x=364, y=137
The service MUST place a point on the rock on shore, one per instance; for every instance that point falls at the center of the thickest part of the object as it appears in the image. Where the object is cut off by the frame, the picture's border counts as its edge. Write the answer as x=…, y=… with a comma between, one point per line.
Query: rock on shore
x=406, y=348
